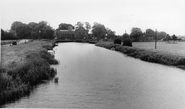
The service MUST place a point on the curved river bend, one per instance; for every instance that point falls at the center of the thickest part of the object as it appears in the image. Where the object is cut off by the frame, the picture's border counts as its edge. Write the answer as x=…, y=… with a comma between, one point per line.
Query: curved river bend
x=96, y=78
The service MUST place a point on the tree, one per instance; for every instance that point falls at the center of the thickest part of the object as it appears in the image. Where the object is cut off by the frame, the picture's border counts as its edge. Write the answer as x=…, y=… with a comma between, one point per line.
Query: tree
x=21, y=30
x=136, y=33
x=2, y=33
x=110, y=33
x=161, y=35
x=87, y=26
x=125, y=36
x=49, y=33
x=167, y=38
x=5, y=35
x=99, y=30
x=174, y=37
x=33, y=25
x=64, y=26
x=80, y=24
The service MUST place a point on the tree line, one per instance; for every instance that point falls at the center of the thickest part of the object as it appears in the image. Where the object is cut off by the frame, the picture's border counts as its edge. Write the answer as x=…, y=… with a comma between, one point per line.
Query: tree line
x=31, y=30
x=43, y=30
x=150, y=35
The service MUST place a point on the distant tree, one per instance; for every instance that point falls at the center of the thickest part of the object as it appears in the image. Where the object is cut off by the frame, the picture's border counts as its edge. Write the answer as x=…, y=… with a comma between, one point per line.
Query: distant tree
x=2, y=32
x=80, y=24
x=87, y=26
x=33, y=29
x=33, y=25
x=15, y=25
x=149, y=34
x=161, y=35
x=24, y=31
x=99, y=30
x=43, y=30
x=5, y=35
x=110, y=33
x=143, y=38
x=21, y=30
x=136, y=33
x=125, y=36
x=49, y=33
x=174, y=37
x=64, y=26
x=167, y=38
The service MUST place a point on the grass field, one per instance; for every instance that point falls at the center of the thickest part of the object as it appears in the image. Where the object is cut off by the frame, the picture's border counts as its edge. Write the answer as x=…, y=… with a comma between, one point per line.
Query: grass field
x=177, y=48
x=17, y=53
x=145, y=53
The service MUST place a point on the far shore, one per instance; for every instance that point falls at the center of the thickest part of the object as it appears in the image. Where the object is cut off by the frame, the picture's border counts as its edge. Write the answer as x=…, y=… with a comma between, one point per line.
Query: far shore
x=147, y=55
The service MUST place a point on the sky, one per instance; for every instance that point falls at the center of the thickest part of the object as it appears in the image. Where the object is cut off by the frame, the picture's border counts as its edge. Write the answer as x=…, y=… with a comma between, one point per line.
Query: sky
x=118, y=15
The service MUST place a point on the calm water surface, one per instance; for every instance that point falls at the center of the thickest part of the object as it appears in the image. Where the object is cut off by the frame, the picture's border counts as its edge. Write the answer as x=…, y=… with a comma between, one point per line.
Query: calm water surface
x=96, y=78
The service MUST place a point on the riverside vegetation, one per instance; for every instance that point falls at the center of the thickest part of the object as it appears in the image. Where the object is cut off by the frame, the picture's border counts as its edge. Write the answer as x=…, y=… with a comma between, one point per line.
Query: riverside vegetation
x=23, y=67
x=147, y=55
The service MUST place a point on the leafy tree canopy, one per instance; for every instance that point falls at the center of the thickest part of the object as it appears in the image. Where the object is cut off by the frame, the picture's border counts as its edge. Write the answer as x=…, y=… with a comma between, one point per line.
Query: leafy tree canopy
x=135, y=34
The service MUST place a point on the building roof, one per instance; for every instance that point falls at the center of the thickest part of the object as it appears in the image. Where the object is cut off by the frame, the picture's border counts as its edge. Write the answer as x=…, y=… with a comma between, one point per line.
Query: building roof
x=65, y=32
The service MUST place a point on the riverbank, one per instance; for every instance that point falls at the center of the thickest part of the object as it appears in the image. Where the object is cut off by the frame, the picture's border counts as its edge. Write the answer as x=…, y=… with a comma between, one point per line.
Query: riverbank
x=23, y=67
x=147, y=55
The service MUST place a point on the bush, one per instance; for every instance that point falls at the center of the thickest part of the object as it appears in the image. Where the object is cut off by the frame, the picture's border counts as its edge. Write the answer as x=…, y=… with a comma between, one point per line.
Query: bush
x=45, y=55
x=14, y=43
x=127, y=42
x=34, y=71
x=117, y=41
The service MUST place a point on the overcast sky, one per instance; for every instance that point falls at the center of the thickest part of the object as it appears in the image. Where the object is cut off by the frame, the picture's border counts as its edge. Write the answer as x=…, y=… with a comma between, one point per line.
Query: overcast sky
x=118, y=15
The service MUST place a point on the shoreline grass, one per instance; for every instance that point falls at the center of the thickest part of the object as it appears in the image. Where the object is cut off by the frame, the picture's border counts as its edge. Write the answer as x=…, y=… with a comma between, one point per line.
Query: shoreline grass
x=147, y=55
x=19, y=79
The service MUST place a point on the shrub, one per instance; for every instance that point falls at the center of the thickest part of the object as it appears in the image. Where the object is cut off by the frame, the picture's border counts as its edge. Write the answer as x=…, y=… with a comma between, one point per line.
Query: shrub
x=127, y=42
x=34, y=71
x=14, y=43
x=117, y=41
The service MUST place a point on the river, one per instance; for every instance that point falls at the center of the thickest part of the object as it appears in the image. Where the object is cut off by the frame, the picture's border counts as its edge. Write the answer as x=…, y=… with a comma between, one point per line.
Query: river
x=91, y=77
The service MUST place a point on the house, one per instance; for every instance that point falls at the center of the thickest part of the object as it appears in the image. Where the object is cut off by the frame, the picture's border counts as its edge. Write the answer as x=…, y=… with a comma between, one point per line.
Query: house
x=65, y=34
x=80, y=33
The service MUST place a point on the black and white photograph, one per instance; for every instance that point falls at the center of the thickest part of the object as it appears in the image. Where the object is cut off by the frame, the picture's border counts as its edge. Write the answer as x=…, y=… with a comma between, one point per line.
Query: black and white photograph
x=92, y=54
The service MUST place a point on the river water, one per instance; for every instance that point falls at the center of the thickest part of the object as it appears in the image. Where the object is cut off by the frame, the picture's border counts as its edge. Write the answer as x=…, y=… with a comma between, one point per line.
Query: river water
x=96, y=78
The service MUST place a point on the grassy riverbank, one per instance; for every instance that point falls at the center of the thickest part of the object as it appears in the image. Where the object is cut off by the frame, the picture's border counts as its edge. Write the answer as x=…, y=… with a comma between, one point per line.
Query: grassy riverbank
x=147, y=55
x=23, y=67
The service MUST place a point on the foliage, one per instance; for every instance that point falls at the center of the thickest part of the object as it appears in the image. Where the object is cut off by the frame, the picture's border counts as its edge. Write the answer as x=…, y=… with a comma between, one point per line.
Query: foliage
x=125, y=36
x=99, y=30
x=7, y=35
x=167, y=38
x=32, y=30
x=80, y=24
x=127, y=42
x=161, y=35
x=136, y=33
x=174, y=37
x=20, y=80
x=117, y=41
x=150, y=33
x=64, y=26
x=110, y=33
x=87, y=26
